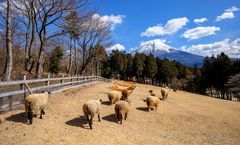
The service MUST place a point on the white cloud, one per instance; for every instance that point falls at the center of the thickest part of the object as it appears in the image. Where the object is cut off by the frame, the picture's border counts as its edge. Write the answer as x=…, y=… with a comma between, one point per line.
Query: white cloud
x=200, y=20
x=171, y=27
x=115, y=47
x=232, y=49
x=200, y=32
x=109, y=19
x=228, y=14
x=232, y=9
x=225, y=15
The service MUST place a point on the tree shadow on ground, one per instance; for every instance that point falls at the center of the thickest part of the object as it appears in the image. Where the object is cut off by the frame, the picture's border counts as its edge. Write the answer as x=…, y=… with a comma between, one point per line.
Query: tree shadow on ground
x=142, y=109
x=20, y=117
x=78, y=122
x=110, y=118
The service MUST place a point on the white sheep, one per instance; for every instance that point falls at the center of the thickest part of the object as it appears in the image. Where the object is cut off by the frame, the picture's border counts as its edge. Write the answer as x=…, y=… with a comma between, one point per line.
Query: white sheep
x=164, y=92
x=152, y=101
x=36, y=103
x=91, y=108
x=114, y=96
x=121, y=108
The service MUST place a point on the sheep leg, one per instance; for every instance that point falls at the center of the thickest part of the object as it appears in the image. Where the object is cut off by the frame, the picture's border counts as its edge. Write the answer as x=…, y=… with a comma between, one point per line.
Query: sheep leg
x=155, y=108
x=126, y=116
x=121, y=118
x=99, y=118
x=41, y=113
x=30, y=116
x=90, y=122
x=87, y=118
x=30, y=113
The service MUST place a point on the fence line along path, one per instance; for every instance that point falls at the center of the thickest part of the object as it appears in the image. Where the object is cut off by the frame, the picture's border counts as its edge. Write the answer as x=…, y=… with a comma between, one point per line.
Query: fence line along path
x=12, y=93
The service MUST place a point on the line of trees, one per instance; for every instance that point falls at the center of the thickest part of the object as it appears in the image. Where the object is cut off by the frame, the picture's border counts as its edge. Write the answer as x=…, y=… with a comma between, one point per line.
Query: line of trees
x=32, y=29
x=211, y=79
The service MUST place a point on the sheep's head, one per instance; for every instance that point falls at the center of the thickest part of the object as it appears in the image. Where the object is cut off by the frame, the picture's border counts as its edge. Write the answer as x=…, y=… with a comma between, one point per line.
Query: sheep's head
x=49, y=93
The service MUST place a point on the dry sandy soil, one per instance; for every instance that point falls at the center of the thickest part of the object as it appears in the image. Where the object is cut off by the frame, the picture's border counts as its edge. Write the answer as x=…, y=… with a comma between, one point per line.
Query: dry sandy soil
x=184, y=118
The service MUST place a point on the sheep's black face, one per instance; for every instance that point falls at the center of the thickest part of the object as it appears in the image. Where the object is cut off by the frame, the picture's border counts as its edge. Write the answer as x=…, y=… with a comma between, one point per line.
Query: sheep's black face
x=150, y=91
x=100, y=100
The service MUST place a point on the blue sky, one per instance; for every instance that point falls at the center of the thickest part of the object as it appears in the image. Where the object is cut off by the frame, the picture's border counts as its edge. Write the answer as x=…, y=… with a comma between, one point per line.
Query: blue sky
x=172, y=22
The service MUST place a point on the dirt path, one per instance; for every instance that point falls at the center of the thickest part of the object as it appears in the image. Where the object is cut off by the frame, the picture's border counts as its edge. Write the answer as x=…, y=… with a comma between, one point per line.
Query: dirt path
x=184, y=118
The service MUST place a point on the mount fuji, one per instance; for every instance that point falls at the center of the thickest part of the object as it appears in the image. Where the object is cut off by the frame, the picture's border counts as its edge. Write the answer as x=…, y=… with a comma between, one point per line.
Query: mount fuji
x=159, y=49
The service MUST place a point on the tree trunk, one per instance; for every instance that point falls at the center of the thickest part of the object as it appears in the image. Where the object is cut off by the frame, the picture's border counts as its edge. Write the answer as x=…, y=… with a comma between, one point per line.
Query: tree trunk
x=26, y=61
x=75, y=57
x=70, y=58
x=9, y=63
x=40, y=61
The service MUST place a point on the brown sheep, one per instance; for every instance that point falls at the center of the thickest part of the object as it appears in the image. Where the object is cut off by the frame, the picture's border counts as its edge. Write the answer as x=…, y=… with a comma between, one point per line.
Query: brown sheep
x=121, y=108
x=164, y=93
x=92, y=107
x=152, y=101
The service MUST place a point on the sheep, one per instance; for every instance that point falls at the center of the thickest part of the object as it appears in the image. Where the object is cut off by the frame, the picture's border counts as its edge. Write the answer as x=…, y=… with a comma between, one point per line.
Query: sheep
x=36, y=103
x=122, y=108
x=125, y=95
x=151, y=93
x=114, y=96
x=152, y=101
x=91, y=108
x=164, y=93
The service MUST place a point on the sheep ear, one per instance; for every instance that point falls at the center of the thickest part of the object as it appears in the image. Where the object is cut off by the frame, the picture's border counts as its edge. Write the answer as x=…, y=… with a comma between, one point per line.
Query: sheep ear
x=100, y=100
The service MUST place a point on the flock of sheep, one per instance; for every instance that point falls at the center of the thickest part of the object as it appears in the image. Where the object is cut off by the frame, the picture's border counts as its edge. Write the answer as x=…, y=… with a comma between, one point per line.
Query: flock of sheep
x=35, y=103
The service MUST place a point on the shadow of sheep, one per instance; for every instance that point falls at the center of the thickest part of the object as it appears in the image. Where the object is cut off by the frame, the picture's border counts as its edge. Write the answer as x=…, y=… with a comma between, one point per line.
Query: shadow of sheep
x=110, y=118
x=142, y=109
x=20, y=117
x=78, y=122
x=106, y=103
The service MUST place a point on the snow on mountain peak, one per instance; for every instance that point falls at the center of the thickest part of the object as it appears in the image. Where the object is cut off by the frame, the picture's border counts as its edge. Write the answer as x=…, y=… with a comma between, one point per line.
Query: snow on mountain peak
x=152, y=46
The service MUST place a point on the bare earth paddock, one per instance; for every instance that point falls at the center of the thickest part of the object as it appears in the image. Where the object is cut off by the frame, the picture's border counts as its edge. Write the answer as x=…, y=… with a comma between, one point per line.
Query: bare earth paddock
x=184, y=118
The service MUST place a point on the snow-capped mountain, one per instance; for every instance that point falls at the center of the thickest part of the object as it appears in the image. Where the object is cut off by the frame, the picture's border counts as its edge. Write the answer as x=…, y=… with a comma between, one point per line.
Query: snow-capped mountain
x=159, y=49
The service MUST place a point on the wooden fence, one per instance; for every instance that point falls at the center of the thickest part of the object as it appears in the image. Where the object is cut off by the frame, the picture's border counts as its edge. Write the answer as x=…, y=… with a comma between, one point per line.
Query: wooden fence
x=12, y=93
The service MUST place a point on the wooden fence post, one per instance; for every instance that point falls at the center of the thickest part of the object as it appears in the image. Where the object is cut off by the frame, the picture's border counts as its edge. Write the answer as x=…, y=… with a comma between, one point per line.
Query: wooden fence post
x=22, y=86
x=71, y=80
x=48, y=82
x=62, y=80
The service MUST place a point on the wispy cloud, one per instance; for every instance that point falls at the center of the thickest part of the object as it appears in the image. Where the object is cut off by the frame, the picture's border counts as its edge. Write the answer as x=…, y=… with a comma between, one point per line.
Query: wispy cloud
x=171, y=27
x=232, y=49
x=200, y=32
x=228, y=14
x=200, y=20
x=112, y=20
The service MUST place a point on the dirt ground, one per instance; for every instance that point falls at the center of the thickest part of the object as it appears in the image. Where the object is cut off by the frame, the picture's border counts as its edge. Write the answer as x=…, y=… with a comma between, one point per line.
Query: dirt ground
x=184, y=118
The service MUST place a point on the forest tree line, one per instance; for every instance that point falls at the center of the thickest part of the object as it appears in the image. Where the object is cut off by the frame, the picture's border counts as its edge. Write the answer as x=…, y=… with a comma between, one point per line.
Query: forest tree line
x=218, y=77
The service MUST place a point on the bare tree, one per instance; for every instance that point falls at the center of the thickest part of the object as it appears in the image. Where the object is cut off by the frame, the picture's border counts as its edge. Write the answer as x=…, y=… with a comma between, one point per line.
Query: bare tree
x=8, y=63
x=26, y=8
x=48, y=13
x=94, y=32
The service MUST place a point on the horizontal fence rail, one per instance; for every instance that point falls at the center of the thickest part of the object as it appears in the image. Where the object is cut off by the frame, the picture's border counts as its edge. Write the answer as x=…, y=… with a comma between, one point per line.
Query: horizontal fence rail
x=12, y=97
